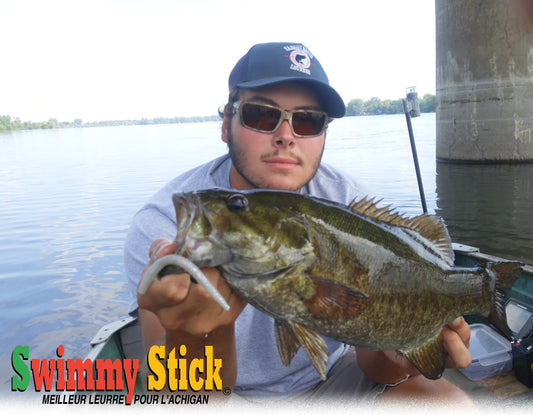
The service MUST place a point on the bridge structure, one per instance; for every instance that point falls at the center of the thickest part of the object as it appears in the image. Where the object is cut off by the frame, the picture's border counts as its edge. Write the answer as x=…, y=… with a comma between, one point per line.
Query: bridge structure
x=484, y=81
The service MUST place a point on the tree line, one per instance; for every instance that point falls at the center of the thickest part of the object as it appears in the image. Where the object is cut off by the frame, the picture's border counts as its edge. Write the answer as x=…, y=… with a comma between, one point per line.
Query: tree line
x=376, y=106
x=356, y=107
x=6, y=123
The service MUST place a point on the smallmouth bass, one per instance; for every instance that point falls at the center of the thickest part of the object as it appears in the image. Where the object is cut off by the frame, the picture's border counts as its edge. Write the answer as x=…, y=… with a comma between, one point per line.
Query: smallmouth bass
x=360, y=274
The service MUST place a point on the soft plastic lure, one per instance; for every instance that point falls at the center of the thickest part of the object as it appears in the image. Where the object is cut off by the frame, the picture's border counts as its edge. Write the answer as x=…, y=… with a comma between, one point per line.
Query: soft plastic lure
x=188, y=267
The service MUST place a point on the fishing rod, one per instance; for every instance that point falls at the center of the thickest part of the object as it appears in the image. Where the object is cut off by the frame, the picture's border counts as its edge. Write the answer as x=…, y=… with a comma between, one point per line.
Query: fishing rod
x=412, y=109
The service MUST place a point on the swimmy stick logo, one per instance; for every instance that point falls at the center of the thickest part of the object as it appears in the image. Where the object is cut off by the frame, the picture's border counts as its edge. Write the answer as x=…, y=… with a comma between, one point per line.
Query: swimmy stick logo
x=72, y=374
x=177, y=374
x=172, y=373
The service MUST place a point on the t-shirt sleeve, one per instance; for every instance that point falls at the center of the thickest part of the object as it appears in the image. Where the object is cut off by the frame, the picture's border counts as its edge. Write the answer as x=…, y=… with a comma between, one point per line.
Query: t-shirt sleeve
x=147, y=225
x=157, y=219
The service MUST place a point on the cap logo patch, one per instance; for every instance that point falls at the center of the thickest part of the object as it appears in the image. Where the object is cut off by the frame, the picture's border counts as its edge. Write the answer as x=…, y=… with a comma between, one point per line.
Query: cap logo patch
x=300, y=59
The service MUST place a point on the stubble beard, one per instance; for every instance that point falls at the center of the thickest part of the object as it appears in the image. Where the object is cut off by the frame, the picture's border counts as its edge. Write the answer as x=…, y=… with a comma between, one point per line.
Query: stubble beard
x=238, y=158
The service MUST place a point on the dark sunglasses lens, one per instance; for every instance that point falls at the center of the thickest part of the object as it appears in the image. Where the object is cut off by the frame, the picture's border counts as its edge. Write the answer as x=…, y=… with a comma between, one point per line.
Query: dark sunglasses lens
x=308, y=123
x=260, y=117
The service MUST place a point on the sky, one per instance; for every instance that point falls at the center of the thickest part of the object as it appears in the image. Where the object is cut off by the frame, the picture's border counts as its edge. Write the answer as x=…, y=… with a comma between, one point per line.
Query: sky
x=101, y=60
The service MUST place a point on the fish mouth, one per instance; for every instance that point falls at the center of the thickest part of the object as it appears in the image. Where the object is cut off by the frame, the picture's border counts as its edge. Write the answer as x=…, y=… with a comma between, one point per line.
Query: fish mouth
x=203, y=249
x=186, y=209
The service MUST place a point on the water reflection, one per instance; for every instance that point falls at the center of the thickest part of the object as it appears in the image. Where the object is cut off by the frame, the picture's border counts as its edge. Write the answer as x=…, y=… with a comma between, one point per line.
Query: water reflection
x=488, y=206
x=64, y=214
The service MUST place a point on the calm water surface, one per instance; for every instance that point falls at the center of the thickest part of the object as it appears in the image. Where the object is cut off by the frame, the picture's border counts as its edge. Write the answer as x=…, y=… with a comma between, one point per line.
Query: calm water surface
x=67, y=196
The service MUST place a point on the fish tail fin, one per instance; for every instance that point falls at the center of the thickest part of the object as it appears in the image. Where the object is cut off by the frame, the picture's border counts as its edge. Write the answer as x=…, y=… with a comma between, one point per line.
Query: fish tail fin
x=503, y=275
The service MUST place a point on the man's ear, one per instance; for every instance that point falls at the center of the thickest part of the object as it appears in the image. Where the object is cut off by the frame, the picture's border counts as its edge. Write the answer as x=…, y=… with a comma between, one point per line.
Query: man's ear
x=225, y=125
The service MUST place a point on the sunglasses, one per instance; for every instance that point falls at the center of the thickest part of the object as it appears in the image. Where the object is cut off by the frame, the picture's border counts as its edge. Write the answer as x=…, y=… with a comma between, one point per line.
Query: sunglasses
x=267, y=119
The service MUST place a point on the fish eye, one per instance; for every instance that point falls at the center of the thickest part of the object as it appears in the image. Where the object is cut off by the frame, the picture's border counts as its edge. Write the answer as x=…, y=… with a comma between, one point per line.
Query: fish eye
x=237, y=203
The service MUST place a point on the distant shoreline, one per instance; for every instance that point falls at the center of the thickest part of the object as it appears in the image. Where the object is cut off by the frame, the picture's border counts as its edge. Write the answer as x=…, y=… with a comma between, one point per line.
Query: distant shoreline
x=8, y=124
x=356, y=107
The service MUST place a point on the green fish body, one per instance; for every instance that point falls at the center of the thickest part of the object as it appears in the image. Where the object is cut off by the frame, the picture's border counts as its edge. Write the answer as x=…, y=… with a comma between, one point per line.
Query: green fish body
x=360, y=274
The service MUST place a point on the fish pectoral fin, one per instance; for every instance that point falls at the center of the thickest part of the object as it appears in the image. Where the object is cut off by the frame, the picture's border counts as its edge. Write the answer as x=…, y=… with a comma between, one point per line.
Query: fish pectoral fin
x=315, y=347
x=428, y=358
x=334, y=301
x=287, y=341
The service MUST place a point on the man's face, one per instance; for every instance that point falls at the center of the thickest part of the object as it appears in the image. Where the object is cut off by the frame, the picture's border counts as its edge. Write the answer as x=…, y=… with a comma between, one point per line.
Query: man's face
x=277, y=160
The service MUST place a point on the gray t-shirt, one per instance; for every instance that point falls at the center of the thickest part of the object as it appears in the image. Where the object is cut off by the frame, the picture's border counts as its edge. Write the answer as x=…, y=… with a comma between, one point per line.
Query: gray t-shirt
x=260, y=370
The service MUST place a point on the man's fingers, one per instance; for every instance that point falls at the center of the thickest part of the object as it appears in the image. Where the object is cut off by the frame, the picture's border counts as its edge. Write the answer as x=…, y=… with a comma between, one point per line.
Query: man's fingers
x=458, y=354
x=461, y=327
x=165, y=292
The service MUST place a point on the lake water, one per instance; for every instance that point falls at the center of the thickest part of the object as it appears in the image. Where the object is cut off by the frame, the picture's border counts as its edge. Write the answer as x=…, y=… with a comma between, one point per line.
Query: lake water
x=67, y=197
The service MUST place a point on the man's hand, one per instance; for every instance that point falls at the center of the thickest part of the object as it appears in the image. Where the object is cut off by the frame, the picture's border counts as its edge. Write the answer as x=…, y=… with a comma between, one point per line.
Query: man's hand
x=456, y=339
x=185, y=306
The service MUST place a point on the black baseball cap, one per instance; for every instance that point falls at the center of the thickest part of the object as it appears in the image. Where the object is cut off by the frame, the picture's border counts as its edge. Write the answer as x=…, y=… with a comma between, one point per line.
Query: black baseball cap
x=273, y=63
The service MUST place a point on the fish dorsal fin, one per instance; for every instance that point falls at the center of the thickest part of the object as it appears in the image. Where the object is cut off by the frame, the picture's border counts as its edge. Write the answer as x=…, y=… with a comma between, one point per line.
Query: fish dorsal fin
x=434, y=230
x=429, y=227
x=428, y=358
x=369, y=209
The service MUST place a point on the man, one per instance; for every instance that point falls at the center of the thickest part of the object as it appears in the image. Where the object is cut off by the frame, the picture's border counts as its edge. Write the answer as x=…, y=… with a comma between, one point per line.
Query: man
x=275, y=126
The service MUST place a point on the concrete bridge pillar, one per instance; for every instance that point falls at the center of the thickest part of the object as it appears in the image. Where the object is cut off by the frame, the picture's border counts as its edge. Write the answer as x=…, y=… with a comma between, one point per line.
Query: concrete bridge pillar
x=484, y=82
